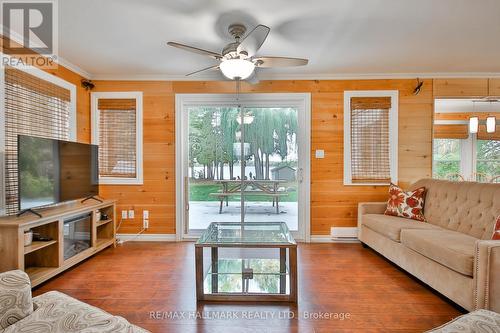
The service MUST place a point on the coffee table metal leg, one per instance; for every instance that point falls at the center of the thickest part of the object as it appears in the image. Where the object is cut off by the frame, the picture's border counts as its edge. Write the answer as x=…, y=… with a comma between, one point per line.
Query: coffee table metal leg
x=293, y=274
x=282, y=270
x=199, y=272
x=215, y=270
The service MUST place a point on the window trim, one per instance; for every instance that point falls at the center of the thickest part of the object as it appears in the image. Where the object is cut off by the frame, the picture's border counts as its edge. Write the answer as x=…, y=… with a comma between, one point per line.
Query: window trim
x=138, y=96
x=393, y=133
x=41, y=74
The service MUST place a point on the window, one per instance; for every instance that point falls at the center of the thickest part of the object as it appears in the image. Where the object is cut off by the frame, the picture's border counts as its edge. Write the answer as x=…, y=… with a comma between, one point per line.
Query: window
x=487, y=159
x=37, y=104
x=465, y=159
x=117, y=129
x=447, y=159
x=370, y=137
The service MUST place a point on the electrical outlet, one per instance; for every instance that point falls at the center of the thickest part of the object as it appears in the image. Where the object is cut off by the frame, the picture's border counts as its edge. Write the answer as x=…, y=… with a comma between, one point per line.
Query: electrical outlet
x=145, y=224
x=131, y=214
x=145, y=214
x=124, y=215
x=320, y=153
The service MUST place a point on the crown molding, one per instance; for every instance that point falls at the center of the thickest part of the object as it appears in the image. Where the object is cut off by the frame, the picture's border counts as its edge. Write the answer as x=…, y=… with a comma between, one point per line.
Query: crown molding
x=278, y=77
x=74, y=68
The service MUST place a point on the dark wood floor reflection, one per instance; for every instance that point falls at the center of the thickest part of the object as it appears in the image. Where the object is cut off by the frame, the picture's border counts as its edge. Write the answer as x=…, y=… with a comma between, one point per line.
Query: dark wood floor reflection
x=137, y=279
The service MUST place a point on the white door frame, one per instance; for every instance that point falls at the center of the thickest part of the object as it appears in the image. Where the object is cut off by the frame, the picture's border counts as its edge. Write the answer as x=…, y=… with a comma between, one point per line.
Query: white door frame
x=300, y=101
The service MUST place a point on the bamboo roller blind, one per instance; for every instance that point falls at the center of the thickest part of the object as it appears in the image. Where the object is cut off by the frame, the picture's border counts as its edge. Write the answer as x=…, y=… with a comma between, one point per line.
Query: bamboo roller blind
x=32, y=107
x=370, y=150
x=451, y=131
x=117, y=138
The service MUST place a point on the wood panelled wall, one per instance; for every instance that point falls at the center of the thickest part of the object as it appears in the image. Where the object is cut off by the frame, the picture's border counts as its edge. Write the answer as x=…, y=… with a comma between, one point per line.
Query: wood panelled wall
x=332, y=203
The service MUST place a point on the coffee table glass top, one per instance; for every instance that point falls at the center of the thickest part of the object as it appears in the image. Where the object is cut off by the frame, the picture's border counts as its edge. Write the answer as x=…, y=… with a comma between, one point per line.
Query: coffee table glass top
x=235, y=233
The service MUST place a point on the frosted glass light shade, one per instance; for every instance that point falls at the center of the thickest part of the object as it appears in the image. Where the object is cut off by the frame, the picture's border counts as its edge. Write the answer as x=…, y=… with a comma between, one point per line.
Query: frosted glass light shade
x=491, y=124
x=237, y=68
x=473, y=124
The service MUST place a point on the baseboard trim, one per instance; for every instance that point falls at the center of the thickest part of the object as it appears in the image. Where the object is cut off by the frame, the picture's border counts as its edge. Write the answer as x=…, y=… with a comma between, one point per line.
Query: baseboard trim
x=172, y=238
x=146, y=237
x=329, y=239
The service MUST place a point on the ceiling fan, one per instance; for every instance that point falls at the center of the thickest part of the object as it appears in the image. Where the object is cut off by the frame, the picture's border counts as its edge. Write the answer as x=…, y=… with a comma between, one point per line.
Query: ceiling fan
x=238, y=60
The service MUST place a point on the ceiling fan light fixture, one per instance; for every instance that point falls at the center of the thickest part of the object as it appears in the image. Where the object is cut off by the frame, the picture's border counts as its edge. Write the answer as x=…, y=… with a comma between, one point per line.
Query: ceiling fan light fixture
x=473, y=125
x=491, y=124
x=237, y=68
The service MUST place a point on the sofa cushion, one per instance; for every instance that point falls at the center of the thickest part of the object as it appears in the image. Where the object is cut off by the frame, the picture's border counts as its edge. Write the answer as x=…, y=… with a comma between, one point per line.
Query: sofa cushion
x=449, y=248
x=479, y=321
x=391, y=226
x=496, y=230
x=406, y=204
x=467, y=207
x=15, y=297
x=57, y=313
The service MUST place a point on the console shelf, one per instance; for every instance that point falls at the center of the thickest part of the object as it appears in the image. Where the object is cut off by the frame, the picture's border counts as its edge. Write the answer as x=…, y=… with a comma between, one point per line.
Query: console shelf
x=42, y=260
x=37, y=245
x=103, y=222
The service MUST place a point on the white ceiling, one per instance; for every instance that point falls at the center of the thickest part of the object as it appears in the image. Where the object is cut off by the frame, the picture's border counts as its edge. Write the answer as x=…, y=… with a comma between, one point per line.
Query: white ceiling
x=342, y=38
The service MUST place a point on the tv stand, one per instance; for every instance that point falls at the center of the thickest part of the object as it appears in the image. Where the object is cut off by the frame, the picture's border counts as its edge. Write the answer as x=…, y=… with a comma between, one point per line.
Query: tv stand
x=29, y=210
x=43, y=259
x=91, y=197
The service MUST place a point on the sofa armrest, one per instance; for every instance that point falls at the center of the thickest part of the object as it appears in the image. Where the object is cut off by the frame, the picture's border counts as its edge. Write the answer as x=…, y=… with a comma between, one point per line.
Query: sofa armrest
x=15, y=293
x=369, y=208
x=487, y=275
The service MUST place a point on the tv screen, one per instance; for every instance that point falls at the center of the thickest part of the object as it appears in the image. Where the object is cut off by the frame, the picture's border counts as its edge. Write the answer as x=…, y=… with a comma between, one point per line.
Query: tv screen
x=52, y=171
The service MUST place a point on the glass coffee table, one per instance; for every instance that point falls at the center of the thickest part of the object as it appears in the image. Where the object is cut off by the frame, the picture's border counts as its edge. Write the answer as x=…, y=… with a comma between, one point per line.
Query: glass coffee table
x=254, y=261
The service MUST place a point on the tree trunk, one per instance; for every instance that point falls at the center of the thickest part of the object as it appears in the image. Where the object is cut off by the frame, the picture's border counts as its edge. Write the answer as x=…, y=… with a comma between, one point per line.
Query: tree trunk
x=209, y=172
x=221, y=172
x=258, y=165
x=231, y=170
x=267, y=166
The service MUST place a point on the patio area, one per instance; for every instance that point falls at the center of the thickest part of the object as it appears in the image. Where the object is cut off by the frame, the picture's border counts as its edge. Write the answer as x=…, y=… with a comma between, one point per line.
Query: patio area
x=202, y=213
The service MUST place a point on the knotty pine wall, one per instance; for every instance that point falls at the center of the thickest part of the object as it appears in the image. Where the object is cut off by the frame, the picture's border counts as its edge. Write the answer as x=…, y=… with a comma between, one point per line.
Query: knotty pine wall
x=332, y=203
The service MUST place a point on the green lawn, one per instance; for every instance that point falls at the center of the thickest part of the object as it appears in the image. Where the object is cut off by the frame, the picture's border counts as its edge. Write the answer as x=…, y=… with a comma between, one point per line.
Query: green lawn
x=200, y=191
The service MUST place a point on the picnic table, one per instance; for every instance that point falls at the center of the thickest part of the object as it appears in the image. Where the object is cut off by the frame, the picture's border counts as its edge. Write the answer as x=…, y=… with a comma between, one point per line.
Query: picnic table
x=250, y=187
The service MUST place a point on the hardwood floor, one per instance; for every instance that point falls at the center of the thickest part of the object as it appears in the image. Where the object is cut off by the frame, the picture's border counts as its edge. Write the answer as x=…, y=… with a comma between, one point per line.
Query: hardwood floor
x=136, y=279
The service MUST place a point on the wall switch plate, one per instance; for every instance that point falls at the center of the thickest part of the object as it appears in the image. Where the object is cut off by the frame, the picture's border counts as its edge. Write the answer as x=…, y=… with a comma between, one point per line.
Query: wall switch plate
x=320, y=153
x=145, y=224
x=124, y=214
x=131, y=214
x=145, y=214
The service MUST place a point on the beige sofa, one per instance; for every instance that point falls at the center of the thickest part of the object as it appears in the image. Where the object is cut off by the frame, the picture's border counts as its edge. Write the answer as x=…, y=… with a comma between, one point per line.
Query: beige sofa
x=453, y=252
x=51, y=312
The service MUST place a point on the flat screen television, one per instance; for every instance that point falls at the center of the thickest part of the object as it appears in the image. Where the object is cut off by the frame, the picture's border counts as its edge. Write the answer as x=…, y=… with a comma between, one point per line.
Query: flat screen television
x=53, y=171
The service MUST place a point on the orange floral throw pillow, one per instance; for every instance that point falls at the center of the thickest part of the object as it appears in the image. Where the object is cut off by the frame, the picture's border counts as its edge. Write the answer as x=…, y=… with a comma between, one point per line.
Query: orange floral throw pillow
x=406, y=204
x=496, y=230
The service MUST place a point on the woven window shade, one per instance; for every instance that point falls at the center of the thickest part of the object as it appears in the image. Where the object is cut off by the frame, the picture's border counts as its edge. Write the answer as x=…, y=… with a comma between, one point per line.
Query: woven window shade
x=451, y=131
x=32, y=107
x=370, y=151
x=117, y=138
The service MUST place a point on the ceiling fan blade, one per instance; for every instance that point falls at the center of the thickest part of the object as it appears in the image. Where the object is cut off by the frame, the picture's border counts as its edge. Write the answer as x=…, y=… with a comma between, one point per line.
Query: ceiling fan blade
x=195, y=50
x=253, y=79
x=267, y=62
x=203, y=70
x=254, y=40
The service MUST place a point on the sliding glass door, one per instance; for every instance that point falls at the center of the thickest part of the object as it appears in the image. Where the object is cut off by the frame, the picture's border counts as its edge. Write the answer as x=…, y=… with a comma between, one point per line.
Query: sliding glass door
x=243, y=162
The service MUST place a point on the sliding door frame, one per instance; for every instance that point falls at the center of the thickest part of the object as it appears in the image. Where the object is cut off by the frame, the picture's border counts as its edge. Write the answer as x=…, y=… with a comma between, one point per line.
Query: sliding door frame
x=300, y=101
